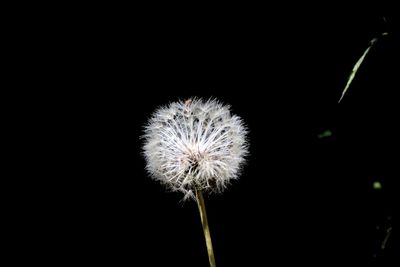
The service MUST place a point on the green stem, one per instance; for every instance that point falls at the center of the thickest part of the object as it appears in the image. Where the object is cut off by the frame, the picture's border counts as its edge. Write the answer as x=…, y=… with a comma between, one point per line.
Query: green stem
x=206, y=229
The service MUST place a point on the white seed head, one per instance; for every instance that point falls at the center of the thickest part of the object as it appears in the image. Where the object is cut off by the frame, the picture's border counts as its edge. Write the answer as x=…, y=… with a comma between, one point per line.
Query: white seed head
x=195, y=145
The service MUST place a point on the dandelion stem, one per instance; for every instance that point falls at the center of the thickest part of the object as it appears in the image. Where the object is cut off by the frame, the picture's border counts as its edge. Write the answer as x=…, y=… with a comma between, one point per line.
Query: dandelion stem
x=206, y=229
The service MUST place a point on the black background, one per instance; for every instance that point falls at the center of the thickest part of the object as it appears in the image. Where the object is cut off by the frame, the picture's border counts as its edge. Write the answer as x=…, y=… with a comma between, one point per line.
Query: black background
x=300, y=198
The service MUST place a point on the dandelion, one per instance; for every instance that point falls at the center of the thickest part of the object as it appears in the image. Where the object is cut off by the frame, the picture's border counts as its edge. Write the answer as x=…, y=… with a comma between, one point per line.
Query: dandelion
x=195, y=147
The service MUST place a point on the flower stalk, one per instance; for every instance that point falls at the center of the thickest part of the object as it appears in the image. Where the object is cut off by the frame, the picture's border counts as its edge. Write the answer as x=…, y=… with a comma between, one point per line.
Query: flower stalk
x=206, y=228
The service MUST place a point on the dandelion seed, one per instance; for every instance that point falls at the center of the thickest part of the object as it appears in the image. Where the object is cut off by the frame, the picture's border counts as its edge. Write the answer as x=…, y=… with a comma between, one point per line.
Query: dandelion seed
x=195, y=145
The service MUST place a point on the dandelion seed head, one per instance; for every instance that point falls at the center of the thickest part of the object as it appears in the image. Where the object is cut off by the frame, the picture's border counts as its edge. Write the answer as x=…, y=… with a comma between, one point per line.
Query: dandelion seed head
x=195, y=145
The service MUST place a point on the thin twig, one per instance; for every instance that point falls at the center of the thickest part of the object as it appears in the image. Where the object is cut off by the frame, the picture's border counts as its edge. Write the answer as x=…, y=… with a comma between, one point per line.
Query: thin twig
x=206, y=229
x=358, y=64
x=388, y=232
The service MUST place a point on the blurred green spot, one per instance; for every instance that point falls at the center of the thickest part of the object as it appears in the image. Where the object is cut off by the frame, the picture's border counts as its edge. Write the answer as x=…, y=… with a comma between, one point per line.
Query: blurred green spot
x=377, y=185
x=326, y=133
